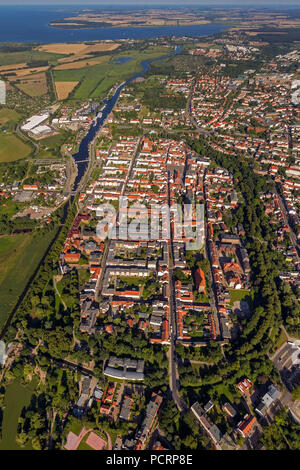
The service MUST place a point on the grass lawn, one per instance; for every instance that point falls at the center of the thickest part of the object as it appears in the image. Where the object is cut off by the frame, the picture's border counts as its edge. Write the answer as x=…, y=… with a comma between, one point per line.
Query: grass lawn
x=55, y=141
x=8, y=116
x=201, y=297
x=281, y=339
x=225, y=390
x=13, y=148
x=273, y=333
x=241, y=294
x=83, y=276
x=75, y=426
x=19, y=257
x=10, y=208
x=47, y=154
x=277, y=338
x=196, y=368
x=16, y=397
x=83, y=446
x=50, y=147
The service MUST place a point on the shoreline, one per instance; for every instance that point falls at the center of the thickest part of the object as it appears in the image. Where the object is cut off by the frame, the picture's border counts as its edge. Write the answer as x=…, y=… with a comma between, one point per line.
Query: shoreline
x=75, y=27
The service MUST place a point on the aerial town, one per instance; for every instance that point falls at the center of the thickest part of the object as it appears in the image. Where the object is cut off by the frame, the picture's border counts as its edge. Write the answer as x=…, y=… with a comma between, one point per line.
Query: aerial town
x=155, y=226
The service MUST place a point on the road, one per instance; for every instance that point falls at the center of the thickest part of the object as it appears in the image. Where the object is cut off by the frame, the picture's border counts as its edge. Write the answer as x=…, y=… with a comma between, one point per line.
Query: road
x=213, y=299
x=173, y=364
x=107, y=245
x=286, y=221
x=201, y=130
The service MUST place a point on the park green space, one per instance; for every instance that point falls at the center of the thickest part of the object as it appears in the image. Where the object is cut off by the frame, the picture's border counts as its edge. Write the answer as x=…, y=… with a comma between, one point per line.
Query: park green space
x=241, y=294
x=16, y=397
x=278, y=337
x=12, y=148
x=95, y=81
x=19, y=258
x=10, y=208
x=55, y=140
x=50, y=147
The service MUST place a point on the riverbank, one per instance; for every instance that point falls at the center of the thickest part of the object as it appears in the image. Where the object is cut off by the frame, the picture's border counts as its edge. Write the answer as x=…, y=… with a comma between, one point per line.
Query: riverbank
x=83, y=155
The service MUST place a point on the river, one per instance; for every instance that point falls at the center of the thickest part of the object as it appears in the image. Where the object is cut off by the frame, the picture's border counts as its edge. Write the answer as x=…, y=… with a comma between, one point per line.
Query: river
x=82, y=156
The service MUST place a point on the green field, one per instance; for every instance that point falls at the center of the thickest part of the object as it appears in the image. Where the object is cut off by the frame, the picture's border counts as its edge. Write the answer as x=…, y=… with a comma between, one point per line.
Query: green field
x=55, y=140
x=10, y=58
x=10, y=208
x=16, y=397
x=95, y=81
x=12, y=148
x=241, y=294
x=19, y=257
x=9, y=117
x=50, y=147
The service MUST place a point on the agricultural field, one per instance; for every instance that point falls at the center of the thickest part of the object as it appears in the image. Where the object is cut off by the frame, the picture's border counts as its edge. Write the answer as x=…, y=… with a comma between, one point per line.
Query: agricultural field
x=13, y=148
x=11, y=58
x=33, y=85
x=19, y=257
x=63, y=89
x=26, y=72
x=96, y=80
x=12, y=67
x=80, y=64
x=78, y=49
x=73, y=64
x=103, y=87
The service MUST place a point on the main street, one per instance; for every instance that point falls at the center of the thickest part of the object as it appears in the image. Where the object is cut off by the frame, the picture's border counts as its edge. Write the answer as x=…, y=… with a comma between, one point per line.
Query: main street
x=201, y=130
x=173, y=364
x=286, y=220
x=213, y=299
x=99, y=285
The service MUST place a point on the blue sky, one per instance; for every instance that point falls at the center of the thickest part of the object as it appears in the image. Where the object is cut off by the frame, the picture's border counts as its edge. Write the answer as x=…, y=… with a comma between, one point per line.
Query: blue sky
x=275, y=3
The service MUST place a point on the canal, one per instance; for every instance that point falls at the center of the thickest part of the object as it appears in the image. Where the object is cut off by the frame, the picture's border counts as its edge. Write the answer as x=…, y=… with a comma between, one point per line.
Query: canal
x=82, y=156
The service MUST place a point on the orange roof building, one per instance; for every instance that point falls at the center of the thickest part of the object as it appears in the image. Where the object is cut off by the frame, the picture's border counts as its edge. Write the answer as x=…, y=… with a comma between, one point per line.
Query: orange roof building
x=245, y=426
x=200, y=281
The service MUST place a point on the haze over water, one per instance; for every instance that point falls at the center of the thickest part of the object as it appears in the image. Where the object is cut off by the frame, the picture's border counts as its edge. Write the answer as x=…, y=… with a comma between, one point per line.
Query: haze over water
x=31, y=24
